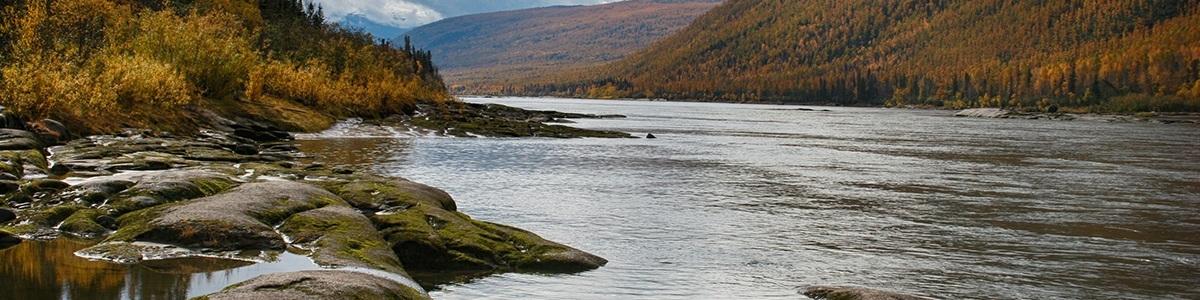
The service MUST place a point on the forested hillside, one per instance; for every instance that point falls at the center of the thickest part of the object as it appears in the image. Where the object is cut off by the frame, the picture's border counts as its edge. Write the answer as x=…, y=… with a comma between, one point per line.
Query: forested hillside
x=102, y=65
x=1104, y=55
x=485, y=51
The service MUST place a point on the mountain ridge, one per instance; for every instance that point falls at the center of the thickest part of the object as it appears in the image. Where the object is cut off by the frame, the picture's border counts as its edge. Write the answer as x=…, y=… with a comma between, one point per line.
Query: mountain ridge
x=510, y=46
x=1103, y=55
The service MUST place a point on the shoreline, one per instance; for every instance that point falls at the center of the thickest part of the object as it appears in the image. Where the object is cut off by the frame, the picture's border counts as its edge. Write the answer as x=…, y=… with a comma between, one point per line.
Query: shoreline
x=1157, y=117
x=246, y=189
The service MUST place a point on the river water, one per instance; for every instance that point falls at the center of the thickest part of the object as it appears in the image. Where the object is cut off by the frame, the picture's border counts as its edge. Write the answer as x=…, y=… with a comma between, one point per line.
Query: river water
x=756, y=201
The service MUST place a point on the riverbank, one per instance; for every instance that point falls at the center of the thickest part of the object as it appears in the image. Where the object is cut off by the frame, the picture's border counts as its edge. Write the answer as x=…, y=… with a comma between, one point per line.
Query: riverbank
x=240, y=190
x=1161, y=118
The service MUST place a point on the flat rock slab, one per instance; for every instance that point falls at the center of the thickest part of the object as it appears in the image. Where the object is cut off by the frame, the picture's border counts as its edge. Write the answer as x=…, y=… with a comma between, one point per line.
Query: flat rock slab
x=317, y=285
x=855, y=293
x=984, y=113
x=243, y=218
x=12, y=139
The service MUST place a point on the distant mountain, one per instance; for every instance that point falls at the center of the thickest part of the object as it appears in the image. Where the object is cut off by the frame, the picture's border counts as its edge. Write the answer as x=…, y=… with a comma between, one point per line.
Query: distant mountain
x=489, y=50
x=1114, y=55
x=376, y=29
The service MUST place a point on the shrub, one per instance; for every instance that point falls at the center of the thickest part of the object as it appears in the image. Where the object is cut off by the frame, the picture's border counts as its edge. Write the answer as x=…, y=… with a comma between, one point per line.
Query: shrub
x=210, y=50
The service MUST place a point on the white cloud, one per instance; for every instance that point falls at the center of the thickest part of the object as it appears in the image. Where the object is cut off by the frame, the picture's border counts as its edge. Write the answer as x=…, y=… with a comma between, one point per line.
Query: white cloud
x=412, y=13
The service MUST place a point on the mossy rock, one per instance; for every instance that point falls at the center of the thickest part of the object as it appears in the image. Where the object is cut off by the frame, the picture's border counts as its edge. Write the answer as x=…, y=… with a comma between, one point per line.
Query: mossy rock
x=431, y=241
x=95, y=191
x=376, y=194
x=42, y=185
x=83, y=223
x=240, y=219
x=341, y=236
x=155, y=188
x=52, y=216
x=16, y=161
x=319, y=285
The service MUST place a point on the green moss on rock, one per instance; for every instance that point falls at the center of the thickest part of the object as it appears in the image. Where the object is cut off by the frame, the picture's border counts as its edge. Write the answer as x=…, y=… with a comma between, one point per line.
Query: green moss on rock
x=240, y=219
x=83, y=223
x=431, y=240
x=342, y=237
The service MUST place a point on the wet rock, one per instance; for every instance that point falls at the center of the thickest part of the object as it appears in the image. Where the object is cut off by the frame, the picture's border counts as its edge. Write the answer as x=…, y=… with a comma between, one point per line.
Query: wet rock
x=50, y=131
x=137, y=165
x=213, y=155
x=855, y=293
x=59, y=169
x=8, y=240
x=343, y=170
x=95, y=191
x=651, y=136
x=432, y=241
x=155, y=188
x=491, y=120
x=9, y=186
x=240, y=219
x=984, y=113
x=318, y=285
x=280, y=147
x=107, y=221
x=7, y=215
x=376, y=194
x=245, y=149
x=12, y=139
x=342, y=236
x=83, y=223
x=262, y=135
x=430, y=238
x=46, y=185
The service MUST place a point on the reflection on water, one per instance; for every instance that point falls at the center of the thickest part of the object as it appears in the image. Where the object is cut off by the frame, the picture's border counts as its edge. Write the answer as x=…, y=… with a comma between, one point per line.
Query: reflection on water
x=358, y=152
x=50, y=270
x=749, y=201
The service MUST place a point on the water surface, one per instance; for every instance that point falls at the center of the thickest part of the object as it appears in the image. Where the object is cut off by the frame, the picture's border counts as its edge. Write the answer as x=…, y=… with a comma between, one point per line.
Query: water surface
x=755, y=201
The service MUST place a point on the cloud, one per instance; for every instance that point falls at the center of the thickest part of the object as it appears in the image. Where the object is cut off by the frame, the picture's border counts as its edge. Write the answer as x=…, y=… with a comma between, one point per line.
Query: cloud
x=412, y=13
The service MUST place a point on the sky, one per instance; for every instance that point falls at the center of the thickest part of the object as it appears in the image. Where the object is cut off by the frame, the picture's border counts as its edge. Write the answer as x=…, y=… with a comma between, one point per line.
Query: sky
x=413, y=13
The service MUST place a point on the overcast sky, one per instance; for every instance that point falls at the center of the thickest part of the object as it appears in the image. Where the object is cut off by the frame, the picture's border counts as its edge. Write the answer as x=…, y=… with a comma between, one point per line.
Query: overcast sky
x=412, y=13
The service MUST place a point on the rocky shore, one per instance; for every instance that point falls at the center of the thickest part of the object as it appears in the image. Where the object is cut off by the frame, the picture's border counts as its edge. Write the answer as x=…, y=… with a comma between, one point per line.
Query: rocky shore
x=1000, y=113
x=240, y=190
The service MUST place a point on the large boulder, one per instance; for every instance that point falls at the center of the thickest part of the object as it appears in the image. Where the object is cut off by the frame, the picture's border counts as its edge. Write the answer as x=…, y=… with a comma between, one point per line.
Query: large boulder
x=855, y=293
x=318, y=285
x=430, y=238
x=243, y=218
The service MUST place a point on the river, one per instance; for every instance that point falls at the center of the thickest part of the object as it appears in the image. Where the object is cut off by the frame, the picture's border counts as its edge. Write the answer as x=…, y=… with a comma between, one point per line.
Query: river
x=760, y=201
